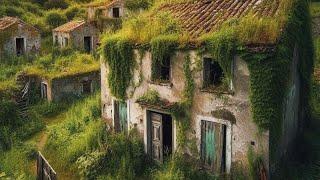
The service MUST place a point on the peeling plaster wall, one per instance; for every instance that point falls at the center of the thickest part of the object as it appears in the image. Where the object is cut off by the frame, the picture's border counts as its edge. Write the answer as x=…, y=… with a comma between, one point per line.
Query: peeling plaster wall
x=32, y=39
x=72, y=86
x=242, y=133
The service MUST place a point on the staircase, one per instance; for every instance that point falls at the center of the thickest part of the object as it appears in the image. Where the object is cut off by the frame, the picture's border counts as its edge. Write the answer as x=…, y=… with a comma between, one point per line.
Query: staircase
x=22, y=96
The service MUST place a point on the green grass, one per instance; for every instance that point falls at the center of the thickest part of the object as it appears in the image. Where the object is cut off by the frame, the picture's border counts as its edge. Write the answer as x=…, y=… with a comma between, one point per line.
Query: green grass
x=315, y=9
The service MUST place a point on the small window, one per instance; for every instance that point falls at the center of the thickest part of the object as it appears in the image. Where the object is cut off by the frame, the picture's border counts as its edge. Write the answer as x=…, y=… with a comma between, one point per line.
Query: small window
x=87, y=44
x=212, y=73
x=56, y=41
x=116, y=12
x=162, y=73
x=66, y=42
x=20, y=46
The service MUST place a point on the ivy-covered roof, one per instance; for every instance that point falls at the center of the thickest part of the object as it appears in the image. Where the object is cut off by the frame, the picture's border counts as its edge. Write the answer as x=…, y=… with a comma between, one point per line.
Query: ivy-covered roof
x=203, y=16
x=6, y=22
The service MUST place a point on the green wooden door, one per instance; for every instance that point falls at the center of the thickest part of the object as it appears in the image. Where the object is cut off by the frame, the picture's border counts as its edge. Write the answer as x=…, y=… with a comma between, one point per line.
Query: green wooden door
x=212, y=146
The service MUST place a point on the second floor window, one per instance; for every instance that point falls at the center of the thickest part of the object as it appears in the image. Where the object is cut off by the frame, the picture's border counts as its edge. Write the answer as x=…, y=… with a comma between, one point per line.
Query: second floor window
x=212, y=73
x=162, y=71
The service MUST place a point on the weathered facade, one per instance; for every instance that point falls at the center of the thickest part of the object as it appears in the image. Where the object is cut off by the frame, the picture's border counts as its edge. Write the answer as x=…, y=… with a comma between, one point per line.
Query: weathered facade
x=18, y=38
x=59, y=89
x=77, y=34
x=222, y=122
x=108, y=10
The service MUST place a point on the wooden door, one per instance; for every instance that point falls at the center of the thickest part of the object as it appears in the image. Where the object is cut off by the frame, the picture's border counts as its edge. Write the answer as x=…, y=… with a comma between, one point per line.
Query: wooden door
x=212, y=146
x=120, y=116
x=156, y=137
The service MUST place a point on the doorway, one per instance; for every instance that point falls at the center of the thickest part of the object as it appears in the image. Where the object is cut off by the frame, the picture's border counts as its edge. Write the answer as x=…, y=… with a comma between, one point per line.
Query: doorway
x=87, y=44
x=19, y=46
x=160, y=136
x=44, y=91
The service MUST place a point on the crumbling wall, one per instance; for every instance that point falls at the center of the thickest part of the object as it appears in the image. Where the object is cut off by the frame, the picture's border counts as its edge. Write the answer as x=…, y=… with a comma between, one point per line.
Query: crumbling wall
x=32, y=39
x=58, y=38
x=243, y=132
x=77, y=36
x=72, y=86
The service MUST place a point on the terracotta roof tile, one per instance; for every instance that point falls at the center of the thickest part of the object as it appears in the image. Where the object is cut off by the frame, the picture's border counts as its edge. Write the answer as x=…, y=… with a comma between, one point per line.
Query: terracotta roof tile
x=69, y=26
x=203, y=16
x=6, y=22
x=105, y=4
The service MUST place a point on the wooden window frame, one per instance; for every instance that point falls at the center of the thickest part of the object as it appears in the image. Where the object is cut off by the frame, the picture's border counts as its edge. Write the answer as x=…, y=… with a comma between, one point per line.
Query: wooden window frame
x=114, y=116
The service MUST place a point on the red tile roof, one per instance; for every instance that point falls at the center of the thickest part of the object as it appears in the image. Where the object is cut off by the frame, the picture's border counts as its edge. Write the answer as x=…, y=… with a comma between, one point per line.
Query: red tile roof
x=105, y=4
x=69, y=26
x=6, y=22
x=203, y=16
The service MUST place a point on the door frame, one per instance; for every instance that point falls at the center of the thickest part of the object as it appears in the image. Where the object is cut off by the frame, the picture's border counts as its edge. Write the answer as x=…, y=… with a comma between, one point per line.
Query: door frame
x=24, y=44
x=128, y=112
x=146, y=132
x=228, y=136
x=91, y=42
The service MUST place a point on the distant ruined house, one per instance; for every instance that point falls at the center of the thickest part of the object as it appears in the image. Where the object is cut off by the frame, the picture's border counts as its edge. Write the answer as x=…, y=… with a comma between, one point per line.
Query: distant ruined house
x=18, y=38
x=106, y=10
x=77, y=34
x=251, y=98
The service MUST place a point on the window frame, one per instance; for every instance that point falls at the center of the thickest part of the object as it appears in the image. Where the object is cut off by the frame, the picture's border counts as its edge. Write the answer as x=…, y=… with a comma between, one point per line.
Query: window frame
x=118, y=12
x=206, y=83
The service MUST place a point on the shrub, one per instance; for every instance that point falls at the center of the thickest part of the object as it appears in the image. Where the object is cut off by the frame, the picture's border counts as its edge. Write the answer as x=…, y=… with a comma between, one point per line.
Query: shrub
x=90, y=164
x=55, y=19
x=49, y=109
x=56, y=4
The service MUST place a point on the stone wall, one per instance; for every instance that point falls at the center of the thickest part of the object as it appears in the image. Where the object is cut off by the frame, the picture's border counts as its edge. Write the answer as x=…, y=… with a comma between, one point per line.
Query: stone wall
x=240, y=134
x=72, y=86
x=32, y=39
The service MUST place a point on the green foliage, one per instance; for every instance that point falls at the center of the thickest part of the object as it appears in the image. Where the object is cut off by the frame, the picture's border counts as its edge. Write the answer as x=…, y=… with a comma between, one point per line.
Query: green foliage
x=162, y=47
x=49, y=109
x=118, y=53
x=55, y=19
x=255, y=163
x=135, y=5
x=151, y=96
x=56, y=4
x=90, y=164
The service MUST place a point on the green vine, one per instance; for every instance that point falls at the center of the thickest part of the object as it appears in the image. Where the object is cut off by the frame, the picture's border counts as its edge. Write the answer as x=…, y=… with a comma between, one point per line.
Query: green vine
x=119, y=56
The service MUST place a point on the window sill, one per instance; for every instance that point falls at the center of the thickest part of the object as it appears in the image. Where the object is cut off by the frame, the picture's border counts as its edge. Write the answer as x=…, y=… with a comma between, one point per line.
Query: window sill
x=162, y=83
x=217, y=90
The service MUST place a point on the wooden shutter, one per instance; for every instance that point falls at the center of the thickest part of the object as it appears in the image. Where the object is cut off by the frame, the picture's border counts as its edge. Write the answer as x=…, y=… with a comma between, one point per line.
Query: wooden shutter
x=156, y=137
x=123, y=118
x=212, y=136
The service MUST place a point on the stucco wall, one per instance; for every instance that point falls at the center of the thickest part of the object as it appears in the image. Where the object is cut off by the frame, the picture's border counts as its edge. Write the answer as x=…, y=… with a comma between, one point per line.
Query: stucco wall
x=72, y=86
x=32, y=39
x=242, y=133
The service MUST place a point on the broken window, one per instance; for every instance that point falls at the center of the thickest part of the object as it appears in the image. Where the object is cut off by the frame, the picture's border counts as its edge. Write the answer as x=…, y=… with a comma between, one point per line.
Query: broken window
x=213, y=146
x=66, y=42
x=160, y=138
x=44, y=91
x=212, y=73
x=87, y=44
x=86, y=87
x=163, y=71
x=120, y=116
x=116, y=12
x=20, y=46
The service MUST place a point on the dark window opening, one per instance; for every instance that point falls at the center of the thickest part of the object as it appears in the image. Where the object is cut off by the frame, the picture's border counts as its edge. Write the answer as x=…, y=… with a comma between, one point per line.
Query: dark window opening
x=66, y=42
x=116, y=12
x=86, y=87
x=160, y=136
x=56, y=41
x=213, y=146
x=120, y=116
x=44, y=91
x=162, y=71
x=87, y=44
x=19, y=46
x=212, y=73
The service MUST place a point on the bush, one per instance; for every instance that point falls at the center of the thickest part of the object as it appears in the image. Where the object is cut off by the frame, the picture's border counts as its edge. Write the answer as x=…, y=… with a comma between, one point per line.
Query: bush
x=56, y=4
x=75, y=11
x=55, y=19
x=49, y=109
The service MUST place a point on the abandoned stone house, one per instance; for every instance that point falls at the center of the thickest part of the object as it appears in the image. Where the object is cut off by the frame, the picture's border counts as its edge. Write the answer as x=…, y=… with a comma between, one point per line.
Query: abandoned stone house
x=106, y=10
x=17, y=37
x=223, y=141
x=78, y=34
x=66, y=87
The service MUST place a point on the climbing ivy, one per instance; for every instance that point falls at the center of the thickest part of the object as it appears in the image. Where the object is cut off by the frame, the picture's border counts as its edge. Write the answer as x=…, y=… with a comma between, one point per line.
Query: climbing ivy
x=119, y=56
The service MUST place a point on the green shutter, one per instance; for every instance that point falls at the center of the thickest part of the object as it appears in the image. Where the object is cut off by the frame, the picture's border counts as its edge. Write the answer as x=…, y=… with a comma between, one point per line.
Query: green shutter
x=123, y=118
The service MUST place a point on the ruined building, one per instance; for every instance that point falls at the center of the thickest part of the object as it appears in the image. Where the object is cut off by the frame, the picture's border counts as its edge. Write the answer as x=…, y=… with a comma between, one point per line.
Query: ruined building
x=77, y=34
x=18, y=38
x=239, y=86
